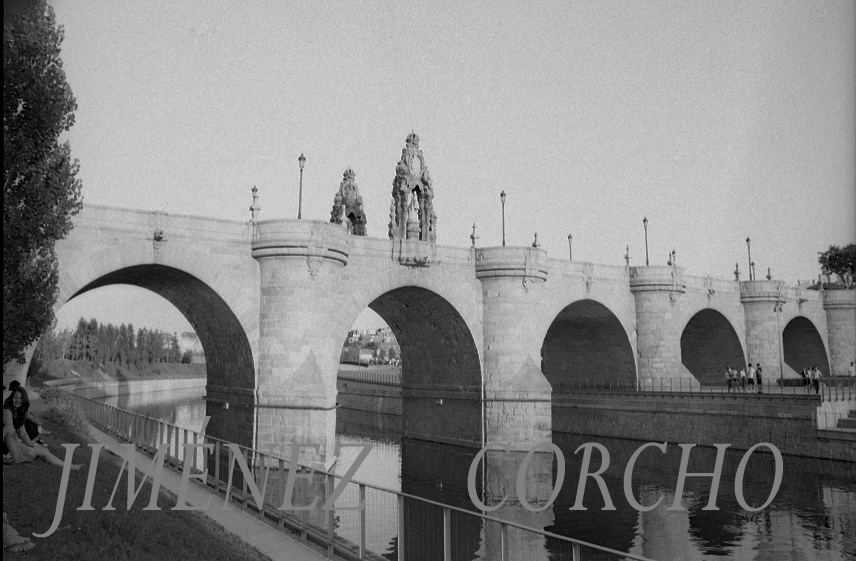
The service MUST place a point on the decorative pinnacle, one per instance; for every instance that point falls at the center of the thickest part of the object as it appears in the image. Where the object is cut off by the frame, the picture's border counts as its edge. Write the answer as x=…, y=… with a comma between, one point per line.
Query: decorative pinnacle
x=535, y=243
x=473, y=236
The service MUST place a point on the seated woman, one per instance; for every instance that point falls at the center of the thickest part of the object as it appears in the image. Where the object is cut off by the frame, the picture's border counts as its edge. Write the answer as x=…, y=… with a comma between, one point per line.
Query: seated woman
x=15, y=410
x=31, y=424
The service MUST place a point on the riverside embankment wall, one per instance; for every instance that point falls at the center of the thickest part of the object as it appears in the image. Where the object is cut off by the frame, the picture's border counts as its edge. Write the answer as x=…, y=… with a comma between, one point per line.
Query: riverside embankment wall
x=97, y=388
x=788, y=422
x=369, y=397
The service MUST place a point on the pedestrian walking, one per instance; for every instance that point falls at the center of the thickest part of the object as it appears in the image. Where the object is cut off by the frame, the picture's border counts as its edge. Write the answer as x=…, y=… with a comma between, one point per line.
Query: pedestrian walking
x=760, y=378
x=815, y=379
x=743, y=379
x=728, y=378
x=750, y=377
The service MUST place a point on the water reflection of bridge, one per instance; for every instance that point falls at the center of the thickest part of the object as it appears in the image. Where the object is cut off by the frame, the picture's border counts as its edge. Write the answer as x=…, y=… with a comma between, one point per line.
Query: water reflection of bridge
x=813, y=508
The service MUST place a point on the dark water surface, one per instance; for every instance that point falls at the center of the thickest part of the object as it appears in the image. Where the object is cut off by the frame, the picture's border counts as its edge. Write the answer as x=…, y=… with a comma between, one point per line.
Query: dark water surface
x=813, y=515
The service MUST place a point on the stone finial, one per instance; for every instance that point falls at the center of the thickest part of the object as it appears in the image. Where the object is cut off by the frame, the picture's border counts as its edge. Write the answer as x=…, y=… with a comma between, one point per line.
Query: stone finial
x=348, y=205
x=627, y=256
x=412, y=213
x=737, y=272
x=255, y=209
x=473, y=236
x=535, y=243
x=769, y=275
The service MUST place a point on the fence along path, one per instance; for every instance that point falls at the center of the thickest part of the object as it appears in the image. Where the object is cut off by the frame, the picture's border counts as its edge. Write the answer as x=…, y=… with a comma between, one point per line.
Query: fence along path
x=343, y=533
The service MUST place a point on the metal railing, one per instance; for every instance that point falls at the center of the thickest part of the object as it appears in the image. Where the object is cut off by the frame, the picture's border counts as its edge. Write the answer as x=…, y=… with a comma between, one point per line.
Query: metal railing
x=380, y=378
x=829, y=389
x=405, y=522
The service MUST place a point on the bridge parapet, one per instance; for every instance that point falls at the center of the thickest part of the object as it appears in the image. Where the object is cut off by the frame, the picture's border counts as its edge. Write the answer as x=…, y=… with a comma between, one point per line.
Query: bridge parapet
x=763, y=291
x=611, y=273
x=117, y=220
x=657, y=279
x=510, y=262
x=706, y=284
x=300, y=238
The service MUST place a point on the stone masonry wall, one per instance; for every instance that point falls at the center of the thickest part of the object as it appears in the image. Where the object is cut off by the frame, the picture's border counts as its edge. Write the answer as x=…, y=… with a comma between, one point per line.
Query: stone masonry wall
x=840, y=306
x=743, y=422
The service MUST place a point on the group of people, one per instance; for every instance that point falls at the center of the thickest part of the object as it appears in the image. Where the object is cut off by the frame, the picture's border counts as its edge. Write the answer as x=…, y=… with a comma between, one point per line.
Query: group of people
x=22, y=442
x=751, y=377
x=22, y=433
x=811, y=379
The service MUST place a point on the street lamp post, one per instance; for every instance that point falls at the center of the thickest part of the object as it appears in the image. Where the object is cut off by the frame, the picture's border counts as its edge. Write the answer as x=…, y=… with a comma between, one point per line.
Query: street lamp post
x=570, y=247
x=502, y=198
x=645, y=224
x=301, y=160
x=749, y=249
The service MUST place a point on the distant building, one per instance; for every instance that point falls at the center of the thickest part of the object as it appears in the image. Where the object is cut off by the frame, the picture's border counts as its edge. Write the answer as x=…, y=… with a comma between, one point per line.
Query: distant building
x=370, y=346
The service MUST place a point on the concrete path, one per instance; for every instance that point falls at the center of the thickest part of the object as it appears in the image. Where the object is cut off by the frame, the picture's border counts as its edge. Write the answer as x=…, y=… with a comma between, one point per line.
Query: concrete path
x=250, y=529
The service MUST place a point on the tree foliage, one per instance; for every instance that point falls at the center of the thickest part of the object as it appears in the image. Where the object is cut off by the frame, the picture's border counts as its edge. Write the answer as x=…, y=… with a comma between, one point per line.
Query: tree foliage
x=839, y=261
x=40, y=189
x=106, y=343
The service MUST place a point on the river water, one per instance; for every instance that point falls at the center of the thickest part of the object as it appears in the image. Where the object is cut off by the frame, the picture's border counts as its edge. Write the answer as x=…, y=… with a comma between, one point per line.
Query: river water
x=812, y=517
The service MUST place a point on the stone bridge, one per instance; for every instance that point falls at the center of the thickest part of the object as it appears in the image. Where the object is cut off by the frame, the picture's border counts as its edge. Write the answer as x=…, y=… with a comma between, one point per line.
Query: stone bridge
x=488, y=335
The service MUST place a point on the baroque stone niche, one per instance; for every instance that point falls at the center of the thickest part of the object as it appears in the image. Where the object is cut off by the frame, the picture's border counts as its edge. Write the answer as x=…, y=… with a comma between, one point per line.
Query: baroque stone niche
x=411, y=213
x=348, y=206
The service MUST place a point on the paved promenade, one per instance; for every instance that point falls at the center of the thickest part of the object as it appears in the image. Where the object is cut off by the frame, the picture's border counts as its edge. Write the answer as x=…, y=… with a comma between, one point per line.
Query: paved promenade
x=253, y=531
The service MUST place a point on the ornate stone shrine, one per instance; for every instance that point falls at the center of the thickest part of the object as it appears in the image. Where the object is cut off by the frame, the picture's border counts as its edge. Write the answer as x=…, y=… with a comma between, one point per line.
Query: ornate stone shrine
x=348, y=206
x=411, y=213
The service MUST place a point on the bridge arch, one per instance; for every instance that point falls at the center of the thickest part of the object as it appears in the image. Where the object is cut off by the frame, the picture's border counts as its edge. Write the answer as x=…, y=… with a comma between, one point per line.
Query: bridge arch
x=441, y=374
x=803, y=346
x=228, y=354
x=709, y=343
x=586, y=342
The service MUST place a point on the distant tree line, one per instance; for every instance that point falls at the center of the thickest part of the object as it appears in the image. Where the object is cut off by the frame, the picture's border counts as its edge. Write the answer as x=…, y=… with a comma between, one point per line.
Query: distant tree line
x=123, y=345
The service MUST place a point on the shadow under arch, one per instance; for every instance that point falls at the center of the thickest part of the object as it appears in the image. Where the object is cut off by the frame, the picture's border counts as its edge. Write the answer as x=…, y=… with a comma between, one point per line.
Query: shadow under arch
x=228, y=355
x=587, y=343
x=709, y=344
x=803, y=347
x=441, y=377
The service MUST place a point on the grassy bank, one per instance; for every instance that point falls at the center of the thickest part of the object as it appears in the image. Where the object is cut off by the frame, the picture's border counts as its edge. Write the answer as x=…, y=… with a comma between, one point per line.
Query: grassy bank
x=63, y=369
x=30, y=494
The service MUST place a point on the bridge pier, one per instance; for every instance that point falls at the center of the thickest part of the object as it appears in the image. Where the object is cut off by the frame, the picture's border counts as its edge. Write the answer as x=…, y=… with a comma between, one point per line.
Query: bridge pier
x=517, y=395
x=300, y=264
x=762, y=304
x=840, y=307
x=656, y=291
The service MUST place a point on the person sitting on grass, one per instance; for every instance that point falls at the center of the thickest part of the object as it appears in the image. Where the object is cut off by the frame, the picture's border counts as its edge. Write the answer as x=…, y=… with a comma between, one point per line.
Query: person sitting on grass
x=14, y=412
x=31, y=424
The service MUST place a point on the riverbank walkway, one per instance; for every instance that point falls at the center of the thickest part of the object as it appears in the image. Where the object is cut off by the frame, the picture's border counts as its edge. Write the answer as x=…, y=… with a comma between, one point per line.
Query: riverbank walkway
x=256, y=533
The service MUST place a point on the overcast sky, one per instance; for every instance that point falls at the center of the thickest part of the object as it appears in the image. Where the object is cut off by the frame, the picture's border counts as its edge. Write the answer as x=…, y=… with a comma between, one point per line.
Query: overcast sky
x=717, y=120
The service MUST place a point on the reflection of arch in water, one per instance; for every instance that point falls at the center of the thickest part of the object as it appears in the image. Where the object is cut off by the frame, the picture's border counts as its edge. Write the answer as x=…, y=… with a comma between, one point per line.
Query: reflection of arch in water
x=587, y=342
x=709, y=343
x=437, y=472
x=803, y=346
x=438, y=355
